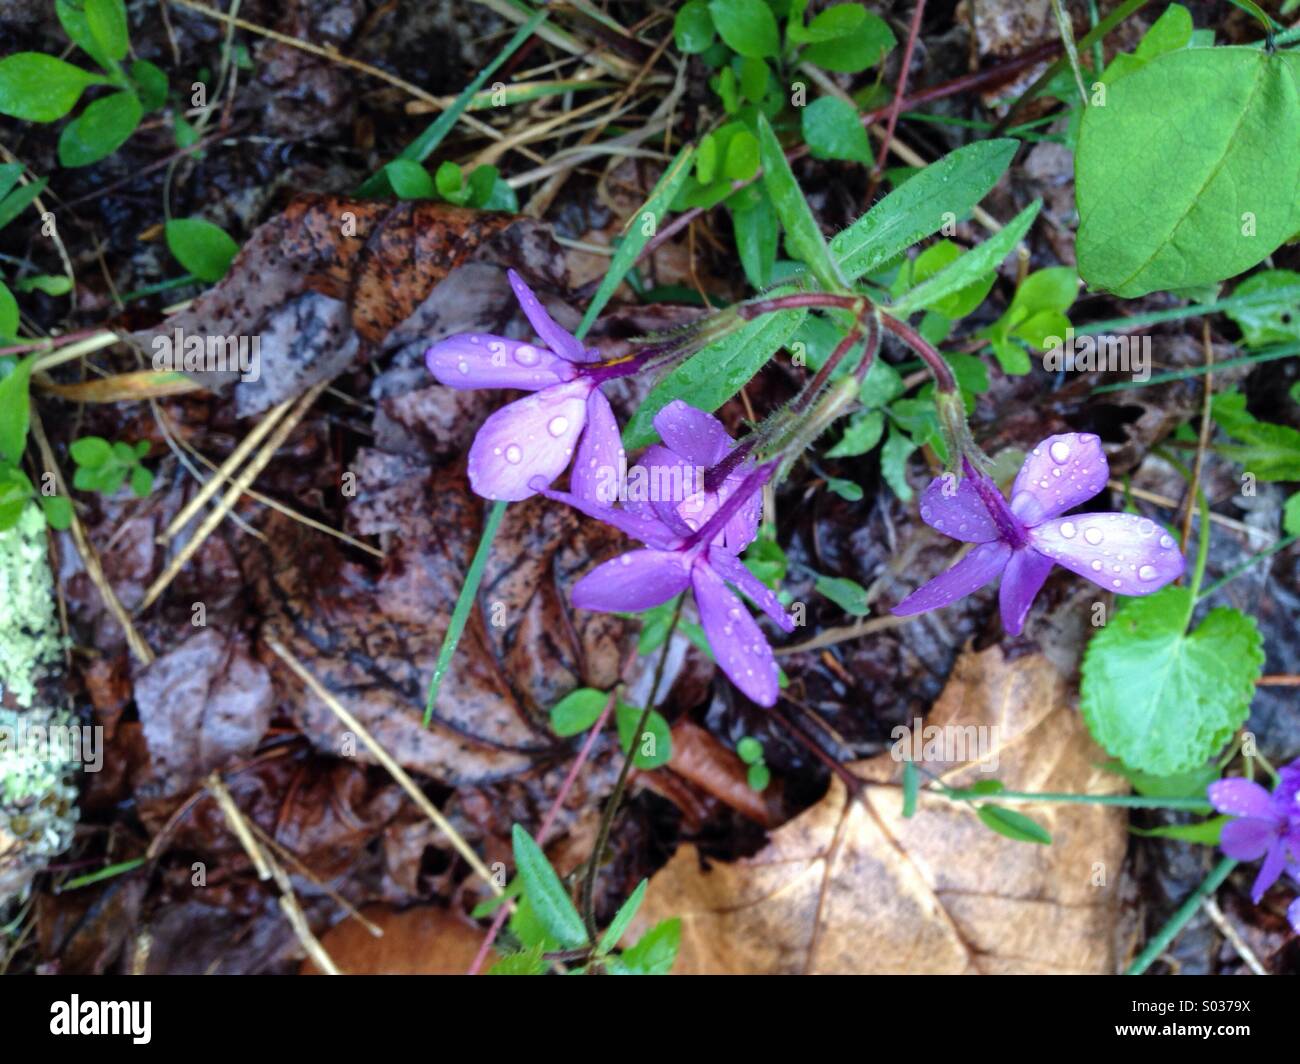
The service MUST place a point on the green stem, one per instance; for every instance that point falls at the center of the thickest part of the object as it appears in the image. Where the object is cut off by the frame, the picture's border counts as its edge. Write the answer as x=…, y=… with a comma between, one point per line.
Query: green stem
x=464, y=603
x=1232, y=574
x=1202, y=546
x=1178, y=921
x=1127, y=801
x=1271, y=355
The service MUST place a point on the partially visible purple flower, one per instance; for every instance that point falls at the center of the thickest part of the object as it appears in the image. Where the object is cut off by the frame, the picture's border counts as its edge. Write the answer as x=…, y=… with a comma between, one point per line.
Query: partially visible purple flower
x=1123, y=553
x=1265, y=825
x=698, y=551
x=536, y=436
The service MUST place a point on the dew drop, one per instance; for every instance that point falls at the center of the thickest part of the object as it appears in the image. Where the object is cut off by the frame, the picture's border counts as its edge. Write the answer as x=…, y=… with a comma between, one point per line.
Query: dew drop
x=1146, y=527
x=1068, y=530
x=464, y=368
x=1092, y=535
x=1166, y=542
x=1096, y=566
x=514, y=454
x=527, y=355
x=1147, y=572
x=558, y=425
x=1118, y=583
x=1060, y=452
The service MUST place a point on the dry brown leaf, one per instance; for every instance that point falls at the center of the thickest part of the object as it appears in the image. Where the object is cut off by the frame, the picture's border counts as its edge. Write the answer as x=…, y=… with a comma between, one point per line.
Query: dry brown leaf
x=853, y=887
x=420, y=941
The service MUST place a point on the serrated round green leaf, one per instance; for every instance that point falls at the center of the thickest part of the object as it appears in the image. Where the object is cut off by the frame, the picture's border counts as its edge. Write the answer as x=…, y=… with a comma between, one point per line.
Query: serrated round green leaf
x=40, y=88
x=693, y=28
x=1013, y=825
x=201, y=247
x=410, y=180
x=1163, y=701
x=100, y=129
x=863, y=46
x=545, y=892
x=577, y=711
x=1268, y=323
x=91, y=452
x=833, y=129
x=747, y=26
x=1188, y=173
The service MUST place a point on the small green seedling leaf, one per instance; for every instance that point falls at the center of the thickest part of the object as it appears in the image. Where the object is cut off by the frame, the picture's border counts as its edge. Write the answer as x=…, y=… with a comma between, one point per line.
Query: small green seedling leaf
x=201, y=247
x=545, y=892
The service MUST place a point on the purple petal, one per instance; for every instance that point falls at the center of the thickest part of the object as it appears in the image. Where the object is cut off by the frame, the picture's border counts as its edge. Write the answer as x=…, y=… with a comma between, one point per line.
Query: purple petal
x=738, y=644
x=562, y=343
x=742, y=529
x=735, y=571
x=648, y=530
x=694, y=435
x=596, y=467
x=1124, y=553
x=673, y=488
x=1245, y=840
x=529, y=438
x=957, y=512
x=1060, y=473
x=1238, y=797
x=1293, y=914
x=979, y=567
x=1269, y=872
x=633, y=581
x=471, y=360
x=1021, y=581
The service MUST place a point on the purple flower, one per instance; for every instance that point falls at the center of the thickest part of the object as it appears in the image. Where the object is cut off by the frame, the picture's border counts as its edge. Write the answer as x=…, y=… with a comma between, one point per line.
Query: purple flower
x=692, y=542
x=1119, y=552
x=537, y=436
x=1266, y=825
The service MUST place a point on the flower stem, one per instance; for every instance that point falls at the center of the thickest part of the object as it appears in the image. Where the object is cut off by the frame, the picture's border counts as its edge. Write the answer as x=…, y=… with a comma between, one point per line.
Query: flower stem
x=1228, y=577
x=611, y=807
x=1178, y=921
x=1126, y=801
x=934, y=362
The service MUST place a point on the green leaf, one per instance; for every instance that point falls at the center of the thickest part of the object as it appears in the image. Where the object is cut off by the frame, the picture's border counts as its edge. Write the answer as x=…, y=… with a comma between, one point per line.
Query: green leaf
x=742, y=157
x=803, y=237
x=410, y=180
x=641, y=227
x=712, y=376
x=893, y=463
x=1172, y=30
x=1179, y=785
x=1268, y=323
x=749, y=750
x=945, y=190
x=622, y=919
x=8, y=314
x=141, y=481
x=450, y=183
x=767, y=561
x=1291, y=516
x=40, y=88
x=15, y=490
x=747, y=26
x=1270, y=452
x=100, y=129
x=1206, y=832
x=58, y=511
x=754, y=79
x=91, y=452
x=754, y=222
x=1013, y=825
x=545, y=891
x=201, y=247
x=150, y=83
x=654, y=953
x=656, y=732
x=50, y=284
x=970, y=267
x=1225, y=124
x=106, y=20
x=16, y=201
x=526, y=962
x=848, y=595
x=15, y=409
x=863, y=46
x=911, y=788
x=937, y=257
x=861, y=434
x=833, y=129
x=833, y=23
x=577, y=711
x=845, y=489
x=72, y=15
x=758, y=777
x=693, y=28
x=1164, y=701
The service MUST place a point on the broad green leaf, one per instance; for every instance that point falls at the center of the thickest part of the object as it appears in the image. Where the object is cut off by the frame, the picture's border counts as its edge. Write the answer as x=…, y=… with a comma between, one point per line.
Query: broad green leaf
x=106, y=20
x=832, y=129
x=8, y=314
x=944, y=191
x=742, y=157
x=410, y=180
x=834, y=22
x=657, y=735
x=72, y=15
x=968, y=269
x=15, y=490
x=641, y=227
x=754, y=78
x=1224, y=124
x=15, y=410
x=100, y=129
x=201, y=247
x=803, y=236
x=1013, y=825
x=848, y=595
x=622, y=919
x=693, y=28
x=747, y=26
x=1160, y=699
x=713, y=375
x=1268, y=323
x=1172, y=30
x=577, y=711
x=654, y=953
x=40, y=88
x=754, y=223
x=150, y=83
x=545, y=892
x=863, y=46
x=450, y=183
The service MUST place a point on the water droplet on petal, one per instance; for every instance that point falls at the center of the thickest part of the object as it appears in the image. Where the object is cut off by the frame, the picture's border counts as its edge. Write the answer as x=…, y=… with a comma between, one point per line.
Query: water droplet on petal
x=1068, y=530
x=527, y=355
x=1092, y=535
x=1146, y=527
x=514, y=454
x=1166, y=542
x=1096, y=566
x=558, y=425
x=1147, y=572
x=1060, y=452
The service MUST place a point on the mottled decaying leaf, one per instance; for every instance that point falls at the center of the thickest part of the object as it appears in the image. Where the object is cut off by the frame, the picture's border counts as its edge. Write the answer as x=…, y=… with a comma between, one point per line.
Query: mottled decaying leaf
x=424, y=940
x=853, y=887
